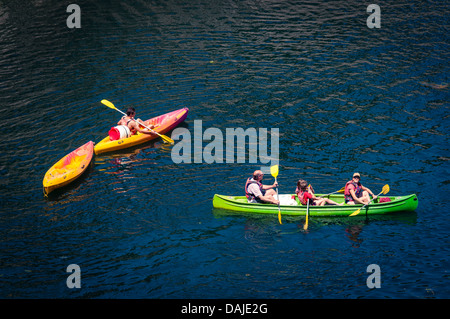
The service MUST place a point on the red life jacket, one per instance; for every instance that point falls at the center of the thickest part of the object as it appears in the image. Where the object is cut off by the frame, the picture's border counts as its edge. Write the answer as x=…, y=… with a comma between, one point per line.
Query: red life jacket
x=250, y=180
x=358, y=190
x=301, y=197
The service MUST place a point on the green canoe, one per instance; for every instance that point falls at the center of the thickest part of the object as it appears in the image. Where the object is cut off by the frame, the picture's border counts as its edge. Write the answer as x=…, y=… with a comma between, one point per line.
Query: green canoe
x=406, y=203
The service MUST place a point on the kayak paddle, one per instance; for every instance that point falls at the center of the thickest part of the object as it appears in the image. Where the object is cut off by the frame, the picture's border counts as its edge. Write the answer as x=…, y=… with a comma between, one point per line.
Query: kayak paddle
x=274, y=173
x=339, y=191
x=165, y=138
x=384, y=190
x=305, y=227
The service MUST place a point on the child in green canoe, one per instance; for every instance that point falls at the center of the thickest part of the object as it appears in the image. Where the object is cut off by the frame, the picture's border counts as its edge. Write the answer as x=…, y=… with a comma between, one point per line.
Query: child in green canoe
x=305, y=193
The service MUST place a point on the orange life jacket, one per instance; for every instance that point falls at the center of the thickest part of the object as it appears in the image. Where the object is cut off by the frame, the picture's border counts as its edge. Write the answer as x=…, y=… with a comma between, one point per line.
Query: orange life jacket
x=358, y=190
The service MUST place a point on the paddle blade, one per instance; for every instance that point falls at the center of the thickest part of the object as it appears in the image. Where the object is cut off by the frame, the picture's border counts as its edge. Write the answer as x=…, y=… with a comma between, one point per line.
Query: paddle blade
x=355, y=212
x=305, y=226
x=109, y=104
x=342, y=190
x=279, y=216
x=167, y=139
x=274, y=171
x=385, y=189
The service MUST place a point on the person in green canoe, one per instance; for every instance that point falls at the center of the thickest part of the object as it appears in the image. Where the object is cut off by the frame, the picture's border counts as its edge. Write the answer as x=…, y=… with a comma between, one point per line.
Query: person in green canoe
x=305, y=193
x=256, y=192
x=356, y=193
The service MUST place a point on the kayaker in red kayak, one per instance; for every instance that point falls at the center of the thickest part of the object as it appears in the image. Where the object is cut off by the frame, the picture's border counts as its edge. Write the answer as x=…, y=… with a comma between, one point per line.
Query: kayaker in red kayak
x=131, y=123
x=305, y=193
x=356, y=193
x=256, y=192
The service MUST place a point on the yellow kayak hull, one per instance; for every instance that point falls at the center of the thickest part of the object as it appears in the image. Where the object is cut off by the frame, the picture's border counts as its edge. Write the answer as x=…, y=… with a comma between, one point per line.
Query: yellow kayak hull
x=163, y=124
x=68, y=168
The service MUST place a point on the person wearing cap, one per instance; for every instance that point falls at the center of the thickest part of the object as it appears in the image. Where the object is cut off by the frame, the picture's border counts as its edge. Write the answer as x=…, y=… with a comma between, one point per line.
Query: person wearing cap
x=132, y=124
x=356, y=193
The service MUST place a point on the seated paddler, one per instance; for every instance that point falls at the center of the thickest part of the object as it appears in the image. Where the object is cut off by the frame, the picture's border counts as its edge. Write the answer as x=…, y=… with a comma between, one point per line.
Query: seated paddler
x=305, y=193
x=256, y=192
x=132, y=124
x=356, y=193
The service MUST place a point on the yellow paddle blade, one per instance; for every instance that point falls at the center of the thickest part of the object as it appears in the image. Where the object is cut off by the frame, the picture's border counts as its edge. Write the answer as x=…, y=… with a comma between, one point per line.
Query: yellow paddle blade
x=305, y=227
x=342, y=190
x=167, y=139
x=355, y=212
x=109, y=104
x=385, y=189
x=274, y=171
x=279, y=216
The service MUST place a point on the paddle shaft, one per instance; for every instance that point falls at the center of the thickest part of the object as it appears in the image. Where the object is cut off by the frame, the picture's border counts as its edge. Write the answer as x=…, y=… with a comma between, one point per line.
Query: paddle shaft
x=371, y=200
x=277, y=192
x=278, y=199
x=274, y=173
x=385, y=190
x=339, y=191
x=305, y=227
x=139, y=122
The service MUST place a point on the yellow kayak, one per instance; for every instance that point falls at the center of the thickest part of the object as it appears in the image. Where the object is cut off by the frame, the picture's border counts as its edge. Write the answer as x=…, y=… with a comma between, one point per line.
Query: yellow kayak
x=68, y=168
x=163, y=124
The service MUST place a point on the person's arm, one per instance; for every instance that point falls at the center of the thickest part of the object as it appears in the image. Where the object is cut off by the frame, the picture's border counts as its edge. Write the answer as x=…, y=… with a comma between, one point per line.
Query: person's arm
x=370, y=192
x=355, y=199
x=138, y=128
x=254, y=189
x=265, y=187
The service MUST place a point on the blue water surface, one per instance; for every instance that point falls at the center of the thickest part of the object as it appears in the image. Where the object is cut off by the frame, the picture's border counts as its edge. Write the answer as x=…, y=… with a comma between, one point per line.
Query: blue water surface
x=344, y=97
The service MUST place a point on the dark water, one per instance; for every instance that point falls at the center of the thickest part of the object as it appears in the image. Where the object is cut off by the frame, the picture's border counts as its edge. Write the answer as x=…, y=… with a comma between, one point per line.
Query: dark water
x=345, y=98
